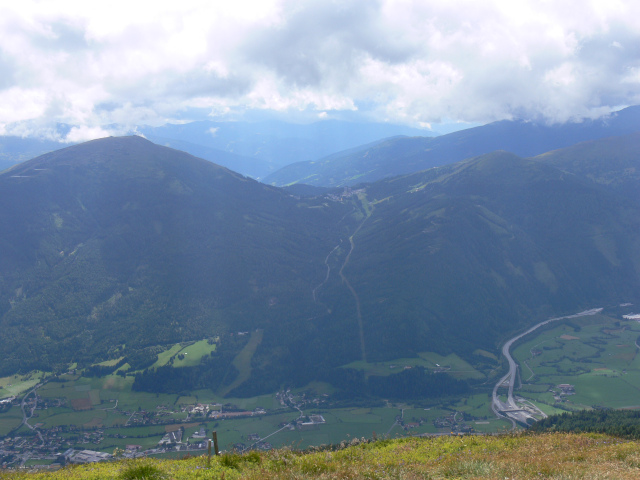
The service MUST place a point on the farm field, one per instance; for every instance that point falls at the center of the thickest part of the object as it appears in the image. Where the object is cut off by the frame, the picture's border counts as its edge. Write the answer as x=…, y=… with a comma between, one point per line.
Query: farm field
x=104, y=413
x=15, y=385
x=596, y=356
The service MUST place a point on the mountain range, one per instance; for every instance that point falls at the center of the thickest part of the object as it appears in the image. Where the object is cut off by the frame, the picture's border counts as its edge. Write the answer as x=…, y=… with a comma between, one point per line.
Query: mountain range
x=399, y=156
x=257, y=149
x=252, y=148
x=118, y=245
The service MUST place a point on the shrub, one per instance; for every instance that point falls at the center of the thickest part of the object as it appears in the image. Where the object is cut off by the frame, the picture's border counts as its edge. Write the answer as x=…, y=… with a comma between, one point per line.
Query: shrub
x=142, y=472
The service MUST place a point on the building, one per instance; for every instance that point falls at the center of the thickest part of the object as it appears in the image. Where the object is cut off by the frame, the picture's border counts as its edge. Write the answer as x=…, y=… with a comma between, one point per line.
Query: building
x=86, y=456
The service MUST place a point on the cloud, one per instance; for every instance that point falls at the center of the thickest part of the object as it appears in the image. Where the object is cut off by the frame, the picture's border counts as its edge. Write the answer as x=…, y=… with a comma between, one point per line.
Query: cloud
x=84, y=133
x=91, y=65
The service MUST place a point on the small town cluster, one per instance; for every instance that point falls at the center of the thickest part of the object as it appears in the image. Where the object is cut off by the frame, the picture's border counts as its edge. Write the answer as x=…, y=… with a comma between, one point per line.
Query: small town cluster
x=64, y=444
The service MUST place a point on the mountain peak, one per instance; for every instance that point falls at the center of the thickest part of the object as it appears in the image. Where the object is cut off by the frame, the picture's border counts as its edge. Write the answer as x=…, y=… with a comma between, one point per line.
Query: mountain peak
x=129, y=156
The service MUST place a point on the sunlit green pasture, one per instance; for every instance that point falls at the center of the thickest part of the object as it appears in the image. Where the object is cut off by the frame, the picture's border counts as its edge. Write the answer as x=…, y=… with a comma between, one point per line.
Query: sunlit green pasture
x=184, y=354
x=597, y=355
x=15, y=385
x=164, y=357
x=193, y=354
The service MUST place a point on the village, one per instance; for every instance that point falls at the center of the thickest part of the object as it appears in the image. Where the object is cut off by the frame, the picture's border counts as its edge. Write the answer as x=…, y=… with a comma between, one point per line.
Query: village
x=67, y=444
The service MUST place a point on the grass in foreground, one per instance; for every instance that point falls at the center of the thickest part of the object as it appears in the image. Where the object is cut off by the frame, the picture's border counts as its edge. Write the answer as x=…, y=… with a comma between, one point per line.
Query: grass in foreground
x=550, y=456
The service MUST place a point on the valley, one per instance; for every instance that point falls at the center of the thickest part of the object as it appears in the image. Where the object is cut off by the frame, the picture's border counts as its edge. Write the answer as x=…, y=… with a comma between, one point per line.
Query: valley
x=104, y=414
x=323, y=235
x=581, y=361
x=152, y=298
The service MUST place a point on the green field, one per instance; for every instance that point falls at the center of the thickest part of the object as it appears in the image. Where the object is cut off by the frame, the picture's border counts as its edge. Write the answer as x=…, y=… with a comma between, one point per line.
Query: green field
x=15, y=385
x=185, y=354
x=108, y=404
x=10, y=420
x=242, y=362
x=596, y=354
x=193, y=354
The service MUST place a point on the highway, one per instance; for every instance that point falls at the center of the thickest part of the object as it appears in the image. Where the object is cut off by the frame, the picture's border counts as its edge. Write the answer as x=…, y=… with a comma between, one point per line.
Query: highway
x=511, y=410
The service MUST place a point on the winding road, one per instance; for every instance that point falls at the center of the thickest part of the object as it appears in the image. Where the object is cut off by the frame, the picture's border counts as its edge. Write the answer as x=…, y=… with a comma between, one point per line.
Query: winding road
x=510, y=409
x=25, y=419
x=326, y=278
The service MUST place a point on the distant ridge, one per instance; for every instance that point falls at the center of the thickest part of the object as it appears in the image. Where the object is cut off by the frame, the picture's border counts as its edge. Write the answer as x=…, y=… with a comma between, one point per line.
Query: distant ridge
x=407, y=155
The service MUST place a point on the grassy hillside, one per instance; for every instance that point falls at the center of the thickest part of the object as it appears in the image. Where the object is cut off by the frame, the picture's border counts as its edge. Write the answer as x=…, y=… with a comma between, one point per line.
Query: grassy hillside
x=550, y=456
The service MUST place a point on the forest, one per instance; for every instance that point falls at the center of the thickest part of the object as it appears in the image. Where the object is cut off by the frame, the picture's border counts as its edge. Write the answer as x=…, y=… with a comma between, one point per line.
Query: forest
x=618, y=423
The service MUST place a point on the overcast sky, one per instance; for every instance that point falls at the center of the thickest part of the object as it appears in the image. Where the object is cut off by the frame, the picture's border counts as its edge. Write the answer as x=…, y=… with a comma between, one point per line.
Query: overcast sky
x=94, y=64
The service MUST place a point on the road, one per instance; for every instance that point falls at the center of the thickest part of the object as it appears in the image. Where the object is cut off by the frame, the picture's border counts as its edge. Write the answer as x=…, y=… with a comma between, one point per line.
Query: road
x=353, y=291
x=326, y=278
x=500, y=408
x=396, y=422
x=288, y=425
x=25, y=419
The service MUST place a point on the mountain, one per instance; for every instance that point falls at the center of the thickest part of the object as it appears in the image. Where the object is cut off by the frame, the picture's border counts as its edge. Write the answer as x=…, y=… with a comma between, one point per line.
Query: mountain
x=451, y=258
x=248, y=166
x=407, y=155
x=122, y=242
x=613, y=162
x=277, y=143
x=117, y=246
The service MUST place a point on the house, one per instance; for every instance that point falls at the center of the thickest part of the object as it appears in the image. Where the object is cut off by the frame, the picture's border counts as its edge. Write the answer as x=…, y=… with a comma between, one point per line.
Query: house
x=317, y=418
x=567, y=389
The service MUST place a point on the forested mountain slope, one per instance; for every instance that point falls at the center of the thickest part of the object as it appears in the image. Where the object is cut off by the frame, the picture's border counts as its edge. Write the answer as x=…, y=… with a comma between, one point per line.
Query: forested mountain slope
x=451, y=258
x=119, y=241
x=117, y=245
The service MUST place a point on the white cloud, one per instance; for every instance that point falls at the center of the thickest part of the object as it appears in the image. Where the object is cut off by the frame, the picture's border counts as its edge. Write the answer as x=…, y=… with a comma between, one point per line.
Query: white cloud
x=93, y=64
x=632, y=77
x=83, y=133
